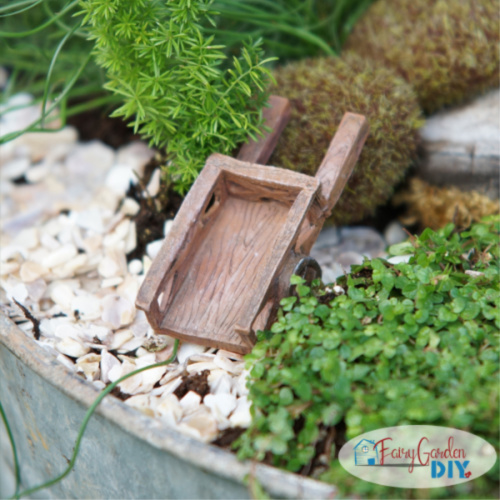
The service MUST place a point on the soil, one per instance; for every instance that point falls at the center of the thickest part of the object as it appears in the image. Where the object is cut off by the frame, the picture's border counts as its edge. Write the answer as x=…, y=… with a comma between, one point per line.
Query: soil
x=153, y=212
x=96, y=124
x=197, y=382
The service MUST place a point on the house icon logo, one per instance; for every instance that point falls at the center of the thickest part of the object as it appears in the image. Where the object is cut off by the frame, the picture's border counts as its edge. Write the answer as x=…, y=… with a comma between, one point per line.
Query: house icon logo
x=365, y=453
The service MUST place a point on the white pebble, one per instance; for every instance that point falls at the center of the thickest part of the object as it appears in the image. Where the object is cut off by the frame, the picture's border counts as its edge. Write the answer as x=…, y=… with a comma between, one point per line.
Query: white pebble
x=186, y=350
x=37, y=173
x=60, y=256
x=221, y=405
x=30, y=271
x=15, y=168
x=135, y=266
x=170, y=409
x=130, y=207
x=90, y=219
x=190, y=402
x=108, y=362
x=88, y=307
x=153, y=248
x=153, y=187
x=19, y=293
x=27, y=238
x=72, y=347
x=167, y=227
x=119, y=179
x=108, y=267
x=200, y=424
x=398, y=259
x=241, y=416
x=117, y=311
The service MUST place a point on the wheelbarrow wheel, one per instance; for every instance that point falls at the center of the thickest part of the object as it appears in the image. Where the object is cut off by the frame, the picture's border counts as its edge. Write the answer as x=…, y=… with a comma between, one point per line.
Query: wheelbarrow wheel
x=308, y=269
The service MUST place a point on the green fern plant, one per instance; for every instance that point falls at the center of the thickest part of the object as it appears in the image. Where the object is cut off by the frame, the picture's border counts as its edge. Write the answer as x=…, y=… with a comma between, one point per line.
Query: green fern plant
x=178, y=86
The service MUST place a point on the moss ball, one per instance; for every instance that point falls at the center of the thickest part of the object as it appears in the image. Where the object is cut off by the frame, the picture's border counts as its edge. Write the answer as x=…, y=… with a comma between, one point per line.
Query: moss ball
x=321, y=90
x=447, y=49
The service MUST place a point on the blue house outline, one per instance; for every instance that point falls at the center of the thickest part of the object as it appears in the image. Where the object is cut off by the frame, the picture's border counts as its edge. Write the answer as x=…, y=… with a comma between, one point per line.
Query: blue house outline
x=366, y=454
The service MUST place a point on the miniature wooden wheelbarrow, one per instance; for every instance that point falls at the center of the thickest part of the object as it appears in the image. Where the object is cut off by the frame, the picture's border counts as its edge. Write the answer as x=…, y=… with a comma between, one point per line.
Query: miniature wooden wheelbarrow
x=241, y=232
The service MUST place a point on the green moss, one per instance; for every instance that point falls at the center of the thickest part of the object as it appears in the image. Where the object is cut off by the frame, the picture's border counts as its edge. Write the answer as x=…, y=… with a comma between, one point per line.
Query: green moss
x=447, y=49
x=321, y=91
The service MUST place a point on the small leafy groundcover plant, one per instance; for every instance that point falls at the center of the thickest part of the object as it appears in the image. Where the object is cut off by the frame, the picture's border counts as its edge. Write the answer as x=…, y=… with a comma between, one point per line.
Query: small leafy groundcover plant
x=408, y=343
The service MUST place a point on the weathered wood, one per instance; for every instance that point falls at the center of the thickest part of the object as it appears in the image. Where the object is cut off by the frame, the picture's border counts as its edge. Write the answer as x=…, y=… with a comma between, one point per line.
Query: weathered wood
x=333, y=174
x=238, y=235
x=216, y=292
x=276, y=116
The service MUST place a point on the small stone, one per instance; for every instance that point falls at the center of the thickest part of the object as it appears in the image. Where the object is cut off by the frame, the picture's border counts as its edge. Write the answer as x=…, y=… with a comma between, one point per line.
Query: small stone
x=67, y=362
x=394, y=233
x=221, y=405
x=190, y=402
x=27, y=238
x=398, y=259
x=135, y=266
x=170, y=409
x=119, y=179
x=118, y=234
x=120, y=338
x=199, y=367
x=72, y=347
x=111, y=282
x=19, y=293
x=30, y=271
x=130, y=207
x=8, y=268
x=130, y=385
x=241, y=416
x=131, y=239
x=153, y=187
x=167, y=226
x=62, y=295
x=88, y=307
x=221, y=385
x=234, y=368
x=89, y=365
x=41, y=144
x=153, y=248
x=36, y=289
x=60, y=256
x=117, y=311
x=91, y=219
x=186, y=350
x=141, y=402
x=37, y=173
x=15, y=168
x=200, y=424
x=108, y=362
x=136, y=154
x=93, y=156
x=108, y=267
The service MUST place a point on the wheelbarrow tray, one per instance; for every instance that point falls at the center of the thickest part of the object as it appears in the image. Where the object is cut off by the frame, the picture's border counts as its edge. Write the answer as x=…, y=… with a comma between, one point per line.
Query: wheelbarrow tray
x=227, y=245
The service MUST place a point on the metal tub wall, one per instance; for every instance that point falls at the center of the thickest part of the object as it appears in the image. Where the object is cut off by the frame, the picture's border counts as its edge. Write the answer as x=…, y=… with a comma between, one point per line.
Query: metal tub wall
x=123, y=454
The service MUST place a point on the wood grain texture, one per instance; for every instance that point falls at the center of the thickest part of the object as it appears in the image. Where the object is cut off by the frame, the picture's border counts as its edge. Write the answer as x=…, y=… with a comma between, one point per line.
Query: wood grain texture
x=333, y=174
x=276, y=117
x=227, y=260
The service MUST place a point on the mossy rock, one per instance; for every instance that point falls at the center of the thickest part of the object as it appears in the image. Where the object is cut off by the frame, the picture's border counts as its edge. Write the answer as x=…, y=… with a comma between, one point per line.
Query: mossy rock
x=447, y=49
x=321, y=90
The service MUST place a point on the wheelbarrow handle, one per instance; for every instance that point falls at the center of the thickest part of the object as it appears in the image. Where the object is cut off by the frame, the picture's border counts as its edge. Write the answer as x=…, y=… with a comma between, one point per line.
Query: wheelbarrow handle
x=333, y=174
x=276, y=117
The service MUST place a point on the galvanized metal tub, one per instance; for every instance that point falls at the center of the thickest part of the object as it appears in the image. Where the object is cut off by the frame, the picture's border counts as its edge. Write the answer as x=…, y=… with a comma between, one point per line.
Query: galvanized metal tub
x=124, y=454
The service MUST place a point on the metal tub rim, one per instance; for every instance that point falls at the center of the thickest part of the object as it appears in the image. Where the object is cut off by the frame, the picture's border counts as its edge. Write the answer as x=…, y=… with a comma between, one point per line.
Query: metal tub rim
x=277, y=482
